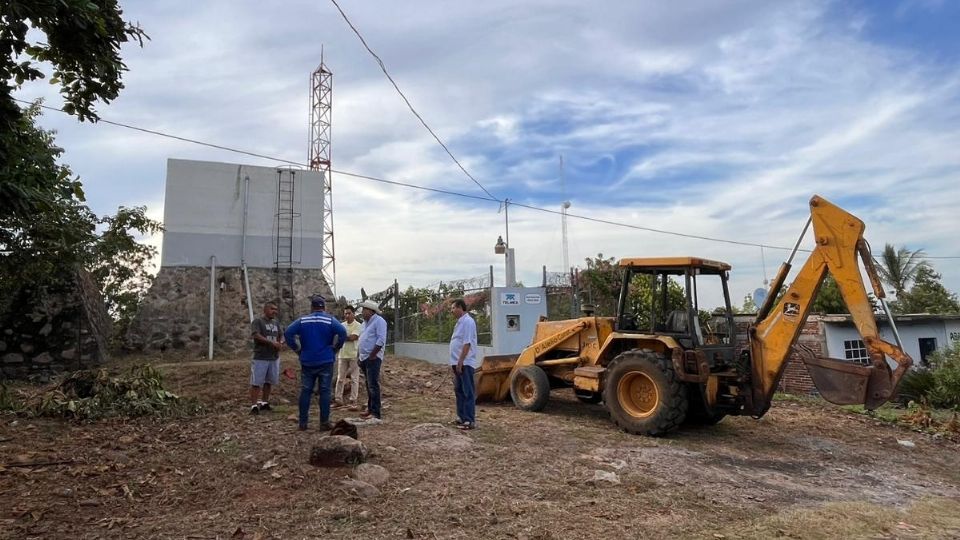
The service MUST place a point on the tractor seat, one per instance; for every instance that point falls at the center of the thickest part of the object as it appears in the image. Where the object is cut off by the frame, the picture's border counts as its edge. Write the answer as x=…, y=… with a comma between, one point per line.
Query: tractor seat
x=677, y=323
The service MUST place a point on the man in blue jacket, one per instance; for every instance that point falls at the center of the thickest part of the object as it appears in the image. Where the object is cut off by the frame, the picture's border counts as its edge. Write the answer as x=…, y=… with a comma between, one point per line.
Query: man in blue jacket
x=320, y=337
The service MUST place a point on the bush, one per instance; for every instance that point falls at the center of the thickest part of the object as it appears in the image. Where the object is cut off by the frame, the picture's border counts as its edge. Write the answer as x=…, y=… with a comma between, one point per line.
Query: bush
x=88, y=394
x=945, y=369
x=917, y=386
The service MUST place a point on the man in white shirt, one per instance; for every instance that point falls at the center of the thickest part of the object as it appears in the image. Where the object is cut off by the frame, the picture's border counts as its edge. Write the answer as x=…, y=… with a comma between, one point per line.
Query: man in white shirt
x=463, y=360
x=373, y=339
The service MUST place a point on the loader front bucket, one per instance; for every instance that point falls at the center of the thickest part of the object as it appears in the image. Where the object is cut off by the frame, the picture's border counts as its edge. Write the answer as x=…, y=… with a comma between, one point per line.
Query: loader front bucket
x=493, y=377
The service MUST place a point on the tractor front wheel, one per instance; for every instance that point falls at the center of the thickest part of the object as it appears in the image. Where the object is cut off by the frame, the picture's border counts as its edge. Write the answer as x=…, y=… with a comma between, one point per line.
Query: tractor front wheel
x=643, y=394
x=530, y=388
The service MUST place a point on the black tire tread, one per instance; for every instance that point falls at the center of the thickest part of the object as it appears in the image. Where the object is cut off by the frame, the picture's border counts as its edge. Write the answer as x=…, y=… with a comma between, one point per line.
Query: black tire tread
x=676, y=406
x=540, y=380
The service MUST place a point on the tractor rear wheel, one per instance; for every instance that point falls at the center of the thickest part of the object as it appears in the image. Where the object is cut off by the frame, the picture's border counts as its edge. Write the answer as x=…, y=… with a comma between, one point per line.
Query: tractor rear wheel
x=643, y=394
x=530, y=388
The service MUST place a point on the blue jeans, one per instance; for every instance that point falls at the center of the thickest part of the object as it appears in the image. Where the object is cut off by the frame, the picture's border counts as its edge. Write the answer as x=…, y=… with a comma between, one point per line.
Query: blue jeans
x=309, y=375
x=371, y=372
x=466, y=392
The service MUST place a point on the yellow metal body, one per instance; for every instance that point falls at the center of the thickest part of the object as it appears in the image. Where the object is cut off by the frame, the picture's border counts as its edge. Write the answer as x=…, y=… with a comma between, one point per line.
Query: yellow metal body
x=839, y=240
x=573, y=350
x=577, y=351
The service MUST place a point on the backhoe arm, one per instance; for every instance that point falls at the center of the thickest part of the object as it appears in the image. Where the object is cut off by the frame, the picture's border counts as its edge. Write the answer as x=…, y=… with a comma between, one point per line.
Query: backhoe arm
x=839, y=240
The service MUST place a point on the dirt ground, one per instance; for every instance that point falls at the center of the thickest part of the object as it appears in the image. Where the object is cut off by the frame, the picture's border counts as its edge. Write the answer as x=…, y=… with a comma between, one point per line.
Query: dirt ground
x=806, y=470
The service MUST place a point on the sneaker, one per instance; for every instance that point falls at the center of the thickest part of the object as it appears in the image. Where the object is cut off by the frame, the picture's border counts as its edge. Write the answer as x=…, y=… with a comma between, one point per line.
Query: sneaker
x=458, y=422
x=254, y=409
x=366, y=414
x=302, y=427
x=466, y=426
x=372, y=421
x=264, y=406
x=337, y=405
x=353, y=407
x=326, y=426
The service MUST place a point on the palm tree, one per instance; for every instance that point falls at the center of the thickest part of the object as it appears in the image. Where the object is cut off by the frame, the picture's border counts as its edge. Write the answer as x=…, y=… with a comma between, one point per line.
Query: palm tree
x=898, y=267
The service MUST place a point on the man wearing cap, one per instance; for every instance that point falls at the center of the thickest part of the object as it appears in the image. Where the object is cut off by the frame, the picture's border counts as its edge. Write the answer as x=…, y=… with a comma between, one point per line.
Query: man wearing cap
x=373, y=339
x=316, y=338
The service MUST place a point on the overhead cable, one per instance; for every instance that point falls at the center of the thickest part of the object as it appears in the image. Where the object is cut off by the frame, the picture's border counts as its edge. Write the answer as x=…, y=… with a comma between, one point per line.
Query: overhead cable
x=445, y=191
x=407, y=101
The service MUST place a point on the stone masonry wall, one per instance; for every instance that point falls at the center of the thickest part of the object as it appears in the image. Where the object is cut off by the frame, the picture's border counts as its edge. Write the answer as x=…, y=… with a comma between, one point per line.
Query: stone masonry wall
x=54, y=330
x=175, y=313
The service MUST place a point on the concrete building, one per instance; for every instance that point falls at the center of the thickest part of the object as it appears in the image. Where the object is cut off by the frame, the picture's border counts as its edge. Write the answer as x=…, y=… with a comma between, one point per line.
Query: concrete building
x=921, y=334
x=236, y=236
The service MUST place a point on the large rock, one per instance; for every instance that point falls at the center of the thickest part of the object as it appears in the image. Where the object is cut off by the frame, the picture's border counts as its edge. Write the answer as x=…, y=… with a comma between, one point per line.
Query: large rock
x=358, y=489
x=337, y=451
x=375, y=475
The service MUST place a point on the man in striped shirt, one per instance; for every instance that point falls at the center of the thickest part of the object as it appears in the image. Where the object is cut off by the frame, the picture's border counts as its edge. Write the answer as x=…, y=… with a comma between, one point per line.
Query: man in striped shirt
x=316, y=338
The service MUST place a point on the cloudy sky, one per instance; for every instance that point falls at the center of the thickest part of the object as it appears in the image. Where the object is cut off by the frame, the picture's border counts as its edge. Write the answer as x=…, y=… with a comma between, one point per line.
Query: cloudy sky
x=707, y=118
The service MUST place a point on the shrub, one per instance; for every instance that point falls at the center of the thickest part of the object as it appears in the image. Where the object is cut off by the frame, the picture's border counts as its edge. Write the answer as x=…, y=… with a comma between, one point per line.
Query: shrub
x=88, y=394
x=945, y=367
x=917, y=385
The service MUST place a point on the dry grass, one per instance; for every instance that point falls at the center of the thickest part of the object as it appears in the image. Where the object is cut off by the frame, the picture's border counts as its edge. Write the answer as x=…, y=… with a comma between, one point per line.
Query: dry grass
x=803, y=470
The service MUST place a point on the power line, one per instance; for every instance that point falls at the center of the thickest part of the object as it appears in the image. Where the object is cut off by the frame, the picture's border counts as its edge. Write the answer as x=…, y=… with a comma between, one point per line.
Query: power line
x=407, y=101
x=444, y=191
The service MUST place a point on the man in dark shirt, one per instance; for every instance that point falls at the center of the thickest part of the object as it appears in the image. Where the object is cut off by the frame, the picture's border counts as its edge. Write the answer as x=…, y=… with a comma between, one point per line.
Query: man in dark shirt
x=265, y=367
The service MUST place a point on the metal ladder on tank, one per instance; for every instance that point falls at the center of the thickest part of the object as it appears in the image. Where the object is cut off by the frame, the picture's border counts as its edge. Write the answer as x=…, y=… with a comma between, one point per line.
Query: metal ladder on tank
x=286, y=217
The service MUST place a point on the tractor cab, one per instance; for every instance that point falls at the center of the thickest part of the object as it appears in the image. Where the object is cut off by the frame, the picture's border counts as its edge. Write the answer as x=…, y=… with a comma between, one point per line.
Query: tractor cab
x=678, y=297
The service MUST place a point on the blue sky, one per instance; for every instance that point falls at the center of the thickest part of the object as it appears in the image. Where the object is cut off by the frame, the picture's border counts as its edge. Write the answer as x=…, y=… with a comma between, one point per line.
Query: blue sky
x=711, y=118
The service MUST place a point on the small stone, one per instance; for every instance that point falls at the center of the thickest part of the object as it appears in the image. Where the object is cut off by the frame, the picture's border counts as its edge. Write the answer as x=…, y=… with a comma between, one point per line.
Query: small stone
x=45, y=331
x=12, y=358
x=358, y=489
x=3, y=346
x=43, y=358
x=905, y=443
x=375, y=475
x=68, y=354
x=26, y=347
x=365, y=514
x=89, y=502
x=601, y=478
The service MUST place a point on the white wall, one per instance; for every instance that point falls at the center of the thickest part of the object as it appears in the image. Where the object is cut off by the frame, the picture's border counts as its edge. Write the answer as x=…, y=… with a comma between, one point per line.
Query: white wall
x=435, y=353
x=203, y=215
x=910, y=333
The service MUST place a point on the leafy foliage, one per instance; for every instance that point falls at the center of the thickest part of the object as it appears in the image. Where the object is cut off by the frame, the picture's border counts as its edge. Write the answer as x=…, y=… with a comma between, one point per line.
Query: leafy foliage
x=927, y=295
x=939, y=385
x=121, y=264
x=900, y=266
x=89, y=395
x=59, y=233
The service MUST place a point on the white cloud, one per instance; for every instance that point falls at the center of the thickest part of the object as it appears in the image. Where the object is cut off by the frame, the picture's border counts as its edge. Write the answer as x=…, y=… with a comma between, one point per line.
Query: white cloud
x=701, y=117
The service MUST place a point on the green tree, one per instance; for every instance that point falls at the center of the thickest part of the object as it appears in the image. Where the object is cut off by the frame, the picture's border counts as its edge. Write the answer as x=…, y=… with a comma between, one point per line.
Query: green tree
x=121, y=265
x=80, y=40
x=600, y=284
x=927, y=295
x=899, y=267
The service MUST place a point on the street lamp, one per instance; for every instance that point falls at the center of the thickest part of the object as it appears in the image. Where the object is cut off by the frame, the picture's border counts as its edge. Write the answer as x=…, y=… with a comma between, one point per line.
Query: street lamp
x=510, y=271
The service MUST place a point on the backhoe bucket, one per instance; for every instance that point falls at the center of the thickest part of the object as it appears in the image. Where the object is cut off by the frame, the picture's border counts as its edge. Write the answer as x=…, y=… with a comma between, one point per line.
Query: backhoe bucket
x=843, y=383
x=493, y=377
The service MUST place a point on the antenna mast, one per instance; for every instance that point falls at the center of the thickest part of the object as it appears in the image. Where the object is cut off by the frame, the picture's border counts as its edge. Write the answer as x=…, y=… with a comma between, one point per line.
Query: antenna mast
x=563, y=217
x=321, y=115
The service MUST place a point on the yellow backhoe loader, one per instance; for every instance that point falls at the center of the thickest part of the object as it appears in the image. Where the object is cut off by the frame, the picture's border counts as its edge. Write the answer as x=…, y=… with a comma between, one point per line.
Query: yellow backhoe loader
x=661, y=362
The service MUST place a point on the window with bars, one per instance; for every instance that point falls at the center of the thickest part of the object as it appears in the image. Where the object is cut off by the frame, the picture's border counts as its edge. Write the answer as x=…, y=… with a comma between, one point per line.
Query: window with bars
x=855, y=351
